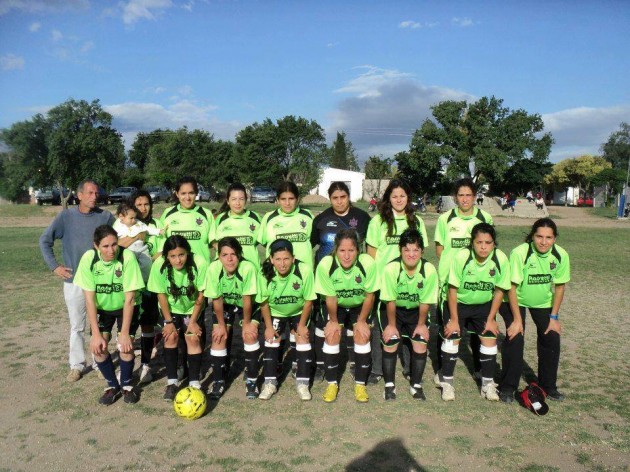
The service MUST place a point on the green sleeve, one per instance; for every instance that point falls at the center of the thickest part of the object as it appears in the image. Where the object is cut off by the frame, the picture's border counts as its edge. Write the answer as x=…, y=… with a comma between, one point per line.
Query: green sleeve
x=423, y=231
x=429, y=293
x=202, y=270
x=440, y=232
x=309, y=285
x=84, y=278
x=214, y=229
x=323, y=282
x=503, y=281
x=250, y=287
x=211, y=280
x=455, y=271
x=262, y=235
x=516, y=266
x=371, y=278
x=389, y=281
x=263, y=289
x=373, y=237
x=132, y=277
x=157, y=280
x=563, y=273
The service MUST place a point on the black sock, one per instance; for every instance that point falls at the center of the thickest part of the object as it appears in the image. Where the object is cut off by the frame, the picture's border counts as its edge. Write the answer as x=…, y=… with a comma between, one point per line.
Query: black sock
x=362, y=366
x=475, y=344
x=107, y=369
x=332, y=367
x=251, y=364
x=270, y=363
x=304, y=363
x=318, y=343
x=194, y=367
x=389, y=366
x=219, y=364
x=448, y=364
x=418, y=363
x=350, y=348
x=146, y=347
x=170, y=359
x=126, y=371
x=488, y=365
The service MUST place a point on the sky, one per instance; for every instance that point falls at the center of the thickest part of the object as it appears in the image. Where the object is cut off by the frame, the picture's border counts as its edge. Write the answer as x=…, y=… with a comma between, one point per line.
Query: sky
x=372, y=69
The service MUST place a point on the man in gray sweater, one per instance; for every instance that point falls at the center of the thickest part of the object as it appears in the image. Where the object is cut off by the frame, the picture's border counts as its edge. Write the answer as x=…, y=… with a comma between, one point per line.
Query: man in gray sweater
x=75, y=228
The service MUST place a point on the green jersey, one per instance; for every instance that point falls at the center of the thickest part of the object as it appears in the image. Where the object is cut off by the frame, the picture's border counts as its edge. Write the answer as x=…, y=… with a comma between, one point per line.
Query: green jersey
x=452, y=232
x=295, y=227
x=349, y=286
x=110, y=280
x=231, y=288
x=534, y=274
x=178, y=301
x=409, y=291
x=476, y=282
x=387, y=246
x=195, y=224
x=244, y=227
x=286, y=295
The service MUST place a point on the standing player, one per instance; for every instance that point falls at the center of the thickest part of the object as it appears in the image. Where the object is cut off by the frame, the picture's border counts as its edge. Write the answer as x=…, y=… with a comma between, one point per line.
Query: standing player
x=189, y=220
x=540, y=270
x=233, y=219
x=178, y=278
x=347, y=280
x=409, y=285
x=286, y=298
x=75, y=228
x=110, y=278
x=340, y=215
x=231, y=283
x=477, y=281
x=396, y=214
x=452, y=233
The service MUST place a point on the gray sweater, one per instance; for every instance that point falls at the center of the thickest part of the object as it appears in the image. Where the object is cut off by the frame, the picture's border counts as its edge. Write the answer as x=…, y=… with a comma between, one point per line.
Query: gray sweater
x=76, y=231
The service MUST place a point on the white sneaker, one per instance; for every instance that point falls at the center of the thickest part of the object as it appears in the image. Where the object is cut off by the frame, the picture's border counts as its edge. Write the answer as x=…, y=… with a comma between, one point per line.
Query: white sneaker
x=145, y=374
x=303, y=392
x=489, y=392
x=448, y=391
x=267, y=391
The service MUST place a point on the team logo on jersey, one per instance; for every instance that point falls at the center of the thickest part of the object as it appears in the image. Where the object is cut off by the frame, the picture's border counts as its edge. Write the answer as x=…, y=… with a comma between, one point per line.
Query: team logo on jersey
x=354, y=223
x=358, y=279
x=332, y=224
x=492, y=272
x=277, y=225
x=227, y=228
x=252, y=227
x=458, y=243
x=293, y=237
x=479, y=286
x=303, y=224
x=174, y=222
x=296, y=286
x=539, y=279
x=552, y=265
x=118, y=273
x=420, y=284
x=392, y=240
x=199, y=221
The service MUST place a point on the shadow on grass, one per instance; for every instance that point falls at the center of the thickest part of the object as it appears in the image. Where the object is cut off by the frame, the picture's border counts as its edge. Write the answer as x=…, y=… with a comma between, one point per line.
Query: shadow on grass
x=390, y=455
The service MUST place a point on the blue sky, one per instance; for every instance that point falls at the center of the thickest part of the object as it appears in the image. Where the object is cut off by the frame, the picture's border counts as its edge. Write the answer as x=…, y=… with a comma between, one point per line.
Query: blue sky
x=370, y=68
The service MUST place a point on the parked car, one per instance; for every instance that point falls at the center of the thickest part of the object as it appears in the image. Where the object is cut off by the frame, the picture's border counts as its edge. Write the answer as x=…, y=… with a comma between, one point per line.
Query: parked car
x=159, y=194
x=262, y=194
x=102, y=199
x=52, y=195
x=121, y=194
x=203, y=195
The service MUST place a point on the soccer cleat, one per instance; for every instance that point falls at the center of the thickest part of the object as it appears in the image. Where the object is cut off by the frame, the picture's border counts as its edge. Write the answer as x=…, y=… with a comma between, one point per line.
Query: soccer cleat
x=360, y=393
x=417, y=392
x=555, y=395
x=110, y=396
x=218, y=389
x=389, y=393
x=303, y=392
x=448, y=391
x=330, y=395
x=373, y=379
x=74, y=375
x=251, y=390
x=506, y=397
x=267, y=391
x=170, y=392
x=130, y=396
x=489, y=392
x=146, y=376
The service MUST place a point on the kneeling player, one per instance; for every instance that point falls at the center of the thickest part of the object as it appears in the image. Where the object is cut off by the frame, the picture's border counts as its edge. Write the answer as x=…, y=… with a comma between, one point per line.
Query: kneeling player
x=409, y=285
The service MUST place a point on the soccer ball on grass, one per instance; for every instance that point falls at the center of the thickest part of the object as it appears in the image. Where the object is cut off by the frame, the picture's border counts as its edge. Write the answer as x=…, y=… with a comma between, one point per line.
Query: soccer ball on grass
x=190, y=403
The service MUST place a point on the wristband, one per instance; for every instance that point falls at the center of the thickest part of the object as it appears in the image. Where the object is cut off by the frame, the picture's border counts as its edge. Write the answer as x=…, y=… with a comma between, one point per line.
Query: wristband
x=555, y=316
x=168, y=322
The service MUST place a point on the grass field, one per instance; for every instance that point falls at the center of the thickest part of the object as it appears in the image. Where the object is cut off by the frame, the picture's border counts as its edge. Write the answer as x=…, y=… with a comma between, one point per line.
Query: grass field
x=48, y=424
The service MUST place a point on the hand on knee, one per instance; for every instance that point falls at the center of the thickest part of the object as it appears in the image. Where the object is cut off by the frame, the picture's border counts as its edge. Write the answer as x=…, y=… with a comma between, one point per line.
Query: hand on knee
x=450, y=346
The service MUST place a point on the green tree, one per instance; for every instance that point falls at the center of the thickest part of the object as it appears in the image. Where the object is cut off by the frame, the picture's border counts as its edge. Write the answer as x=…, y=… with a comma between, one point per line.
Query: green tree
x=421, y=165
x=343, y=155
x=617, y=149
x=580, y=172
x=378, y=168
x=524, y=175
x=139, y=152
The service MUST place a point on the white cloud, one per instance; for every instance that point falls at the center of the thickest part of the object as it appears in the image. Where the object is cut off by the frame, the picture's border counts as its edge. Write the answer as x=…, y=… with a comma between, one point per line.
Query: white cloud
x=368, y=84
x=11, y=62
x=135, y=10
x=42, y=6
x=188, y=6
x=583, y=130
x=56, y=35
x=87, y=46
x=409, y=24
x=34, y=28
x=463, y=22
x=131, y=118
x=185, y=90
x=332, y=45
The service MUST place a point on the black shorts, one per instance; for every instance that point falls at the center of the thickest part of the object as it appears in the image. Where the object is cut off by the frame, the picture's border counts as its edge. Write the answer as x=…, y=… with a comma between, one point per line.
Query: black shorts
x=181, y=322
x=472, y=318
x=406, y=322
x=150, y=315
x=281, y=323
x=346, y=317
x=232, y=312
x=107, y=319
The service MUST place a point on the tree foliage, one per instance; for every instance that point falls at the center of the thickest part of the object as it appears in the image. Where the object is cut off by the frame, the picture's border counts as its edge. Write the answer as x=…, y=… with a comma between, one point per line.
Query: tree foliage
x=343, y=155
x=617, y=149
x=578, y=172
x=378, y=167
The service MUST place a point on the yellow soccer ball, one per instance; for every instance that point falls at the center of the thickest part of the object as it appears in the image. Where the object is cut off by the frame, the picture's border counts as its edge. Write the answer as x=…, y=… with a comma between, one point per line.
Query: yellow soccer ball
x=190, y=403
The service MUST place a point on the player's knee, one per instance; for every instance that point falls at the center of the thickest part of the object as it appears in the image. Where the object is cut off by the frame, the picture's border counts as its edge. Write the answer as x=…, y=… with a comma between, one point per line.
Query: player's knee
x=360, y=338
x=449, y=346
x=250, y=338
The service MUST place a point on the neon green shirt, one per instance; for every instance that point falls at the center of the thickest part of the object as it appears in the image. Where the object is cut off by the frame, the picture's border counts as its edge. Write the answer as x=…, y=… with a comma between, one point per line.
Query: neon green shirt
x=159, y=283
x=154, y=243
x=244, y=227
x=387, y=246
x=232, y=288
x=409, y=291
x=452, y=232
x=110, y=280
x=286, y=295
x=534, y=274
x=349, y=286
x=196, y=225
x=294, y=227
x=476, y=282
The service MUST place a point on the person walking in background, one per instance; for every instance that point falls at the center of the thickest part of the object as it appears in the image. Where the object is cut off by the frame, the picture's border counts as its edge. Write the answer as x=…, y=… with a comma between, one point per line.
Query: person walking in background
x=75, y=228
